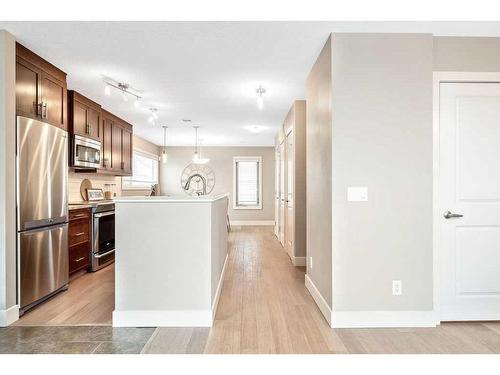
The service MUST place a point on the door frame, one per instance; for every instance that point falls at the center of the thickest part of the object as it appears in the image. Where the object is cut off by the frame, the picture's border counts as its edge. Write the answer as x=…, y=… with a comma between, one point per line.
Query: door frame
x=438, y=78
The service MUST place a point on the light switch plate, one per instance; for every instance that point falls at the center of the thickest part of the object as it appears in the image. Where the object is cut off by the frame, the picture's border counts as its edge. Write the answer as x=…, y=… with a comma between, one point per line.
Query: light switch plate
x=357, y=194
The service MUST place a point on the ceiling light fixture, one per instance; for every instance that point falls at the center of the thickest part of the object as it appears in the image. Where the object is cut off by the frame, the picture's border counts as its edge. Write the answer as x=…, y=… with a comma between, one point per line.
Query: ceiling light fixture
x=153, y=116
x=255, y=129
x=125, y=89
x=197, y=159
x=260, y=99
x=164, y=156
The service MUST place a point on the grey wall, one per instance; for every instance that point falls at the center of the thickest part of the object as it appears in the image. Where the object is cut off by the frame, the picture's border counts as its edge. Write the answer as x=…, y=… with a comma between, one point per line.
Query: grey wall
x=319, y=173
x=471, y=54
x=370, y=97
x=382, y=139
x=221, y=161
x=7, y=174
x=300, y=176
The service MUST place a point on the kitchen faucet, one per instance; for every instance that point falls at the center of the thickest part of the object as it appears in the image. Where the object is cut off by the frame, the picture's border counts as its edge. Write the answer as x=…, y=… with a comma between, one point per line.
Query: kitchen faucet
x=188, y=183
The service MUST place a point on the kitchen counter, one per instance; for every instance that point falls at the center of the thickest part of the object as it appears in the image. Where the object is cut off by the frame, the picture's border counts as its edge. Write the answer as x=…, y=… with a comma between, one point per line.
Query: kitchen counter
x=86, y=204
x=170, y=260
x=172, y=198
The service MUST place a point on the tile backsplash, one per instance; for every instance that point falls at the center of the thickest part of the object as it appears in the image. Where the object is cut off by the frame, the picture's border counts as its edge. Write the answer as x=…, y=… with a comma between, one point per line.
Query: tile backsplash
x=98, y=182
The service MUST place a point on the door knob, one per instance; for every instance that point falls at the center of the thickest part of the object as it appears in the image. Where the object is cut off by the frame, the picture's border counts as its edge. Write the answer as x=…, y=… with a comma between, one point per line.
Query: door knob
x=449, y=215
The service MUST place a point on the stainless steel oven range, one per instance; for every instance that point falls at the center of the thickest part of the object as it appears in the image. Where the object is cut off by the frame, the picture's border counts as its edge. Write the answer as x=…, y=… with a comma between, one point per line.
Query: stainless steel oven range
x=103, y=235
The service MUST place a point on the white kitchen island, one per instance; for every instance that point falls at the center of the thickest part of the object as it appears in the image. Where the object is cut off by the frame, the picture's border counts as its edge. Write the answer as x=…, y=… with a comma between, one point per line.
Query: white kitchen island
x=171, y=254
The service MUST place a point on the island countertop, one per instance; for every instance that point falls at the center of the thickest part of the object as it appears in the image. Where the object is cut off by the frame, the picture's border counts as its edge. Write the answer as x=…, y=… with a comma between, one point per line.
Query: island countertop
x=171, y=198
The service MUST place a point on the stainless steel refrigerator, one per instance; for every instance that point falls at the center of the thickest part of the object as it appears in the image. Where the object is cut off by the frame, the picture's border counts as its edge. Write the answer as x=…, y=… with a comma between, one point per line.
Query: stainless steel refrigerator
x=42, y=210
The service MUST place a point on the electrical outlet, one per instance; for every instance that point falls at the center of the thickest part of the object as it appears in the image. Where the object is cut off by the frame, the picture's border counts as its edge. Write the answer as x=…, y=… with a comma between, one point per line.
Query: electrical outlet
x=397, y=287
x=310, y=262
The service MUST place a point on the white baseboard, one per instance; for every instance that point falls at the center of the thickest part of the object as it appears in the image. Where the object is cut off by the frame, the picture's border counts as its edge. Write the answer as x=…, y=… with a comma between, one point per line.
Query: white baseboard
x=252, y=222
x=9, y=316
x=320, y=301
x=215, y=302
x=382, y=319
x=160, y=318
x=299, y=261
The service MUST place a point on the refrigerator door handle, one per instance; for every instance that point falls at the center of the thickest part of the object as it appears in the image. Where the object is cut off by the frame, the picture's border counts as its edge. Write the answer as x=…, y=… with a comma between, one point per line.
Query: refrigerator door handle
x=39, y=229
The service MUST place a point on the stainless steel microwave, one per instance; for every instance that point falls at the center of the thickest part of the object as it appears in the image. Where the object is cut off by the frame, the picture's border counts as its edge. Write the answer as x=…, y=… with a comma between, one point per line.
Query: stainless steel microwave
x=86, y=152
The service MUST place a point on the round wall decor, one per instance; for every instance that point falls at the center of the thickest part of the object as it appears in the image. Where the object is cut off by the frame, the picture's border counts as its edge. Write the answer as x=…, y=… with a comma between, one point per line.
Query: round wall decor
x=197, y=179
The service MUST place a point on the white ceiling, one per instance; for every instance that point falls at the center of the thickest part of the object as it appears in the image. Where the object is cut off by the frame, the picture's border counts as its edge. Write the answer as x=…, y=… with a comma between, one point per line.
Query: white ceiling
x=203, y=71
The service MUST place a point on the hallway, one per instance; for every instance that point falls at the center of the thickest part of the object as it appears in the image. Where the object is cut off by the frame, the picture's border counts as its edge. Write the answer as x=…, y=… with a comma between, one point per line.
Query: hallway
x=264, y=306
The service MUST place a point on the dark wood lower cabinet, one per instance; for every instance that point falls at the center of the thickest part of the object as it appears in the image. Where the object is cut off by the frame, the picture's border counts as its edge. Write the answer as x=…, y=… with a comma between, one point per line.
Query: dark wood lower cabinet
x=79, y=239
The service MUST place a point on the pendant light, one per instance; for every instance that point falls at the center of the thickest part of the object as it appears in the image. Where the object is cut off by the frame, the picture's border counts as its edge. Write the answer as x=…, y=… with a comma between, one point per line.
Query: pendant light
x=164, y=156
x=260, y=97
x=197, y=159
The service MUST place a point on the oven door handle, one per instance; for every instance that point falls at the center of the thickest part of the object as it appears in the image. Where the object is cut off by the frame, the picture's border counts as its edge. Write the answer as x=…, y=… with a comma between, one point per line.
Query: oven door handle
x=101, y=214
x=103, y=255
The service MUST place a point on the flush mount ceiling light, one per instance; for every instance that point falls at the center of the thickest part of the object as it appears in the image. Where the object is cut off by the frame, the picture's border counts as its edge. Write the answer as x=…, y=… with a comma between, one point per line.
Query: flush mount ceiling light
x=255, y=129
x=197, y=159
x=153, y=116
x=260, y=99
x=164, y=156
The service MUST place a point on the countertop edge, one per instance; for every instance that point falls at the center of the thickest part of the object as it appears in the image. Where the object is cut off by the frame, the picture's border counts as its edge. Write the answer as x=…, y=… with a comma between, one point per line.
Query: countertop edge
x=166, y=199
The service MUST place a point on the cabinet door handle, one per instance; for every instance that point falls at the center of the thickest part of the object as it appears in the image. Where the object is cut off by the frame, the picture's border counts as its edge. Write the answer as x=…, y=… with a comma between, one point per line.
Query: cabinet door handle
x=79, y=234
x=79, y=259
x=39, y=109
x=44, y=110
x=79, y=215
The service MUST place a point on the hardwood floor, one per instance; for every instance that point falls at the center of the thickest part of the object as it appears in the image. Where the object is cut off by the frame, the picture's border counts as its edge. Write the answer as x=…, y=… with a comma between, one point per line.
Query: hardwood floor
x=90, y=300
x=265, y=308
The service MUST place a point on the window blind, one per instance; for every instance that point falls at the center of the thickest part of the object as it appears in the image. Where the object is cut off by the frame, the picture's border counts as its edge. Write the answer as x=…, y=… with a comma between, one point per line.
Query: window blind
x=247, y=183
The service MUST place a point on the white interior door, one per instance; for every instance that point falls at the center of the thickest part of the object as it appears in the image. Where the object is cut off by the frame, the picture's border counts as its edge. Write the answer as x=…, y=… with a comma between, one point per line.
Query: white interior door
x=282, y=193
x=469, y=185
x=289, y=238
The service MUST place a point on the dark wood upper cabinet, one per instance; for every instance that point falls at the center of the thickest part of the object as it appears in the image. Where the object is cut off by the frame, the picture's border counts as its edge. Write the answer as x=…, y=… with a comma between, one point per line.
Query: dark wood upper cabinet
x=117, y=145
x=106, y=131
x=40, y=89
x=28, y=78
x=127, y=151
x=94, y=121
x=84, y=116
x=54, y=100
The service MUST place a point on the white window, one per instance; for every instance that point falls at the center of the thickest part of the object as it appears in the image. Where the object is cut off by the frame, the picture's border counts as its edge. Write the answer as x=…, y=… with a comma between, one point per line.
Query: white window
x=145, y=172
x=247, y=182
